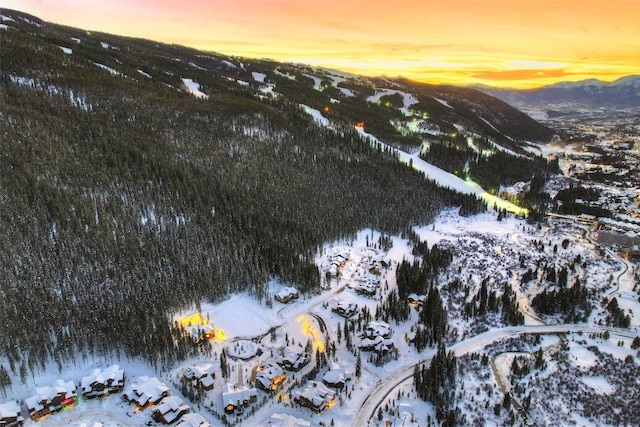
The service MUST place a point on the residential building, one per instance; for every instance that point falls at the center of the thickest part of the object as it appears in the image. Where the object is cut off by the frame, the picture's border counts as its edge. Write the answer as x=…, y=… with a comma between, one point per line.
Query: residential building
x=102, y=382
x=316, y=396
x=269, y=376
x=170, y=410
x=145, y=391
x=10, y=414
x=234, y=399
x=49, y=400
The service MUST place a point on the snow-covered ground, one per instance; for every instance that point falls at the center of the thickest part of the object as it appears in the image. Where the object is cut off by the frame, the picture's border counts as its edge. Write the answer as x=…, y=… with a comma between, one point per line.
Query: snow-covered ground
x=249, y=332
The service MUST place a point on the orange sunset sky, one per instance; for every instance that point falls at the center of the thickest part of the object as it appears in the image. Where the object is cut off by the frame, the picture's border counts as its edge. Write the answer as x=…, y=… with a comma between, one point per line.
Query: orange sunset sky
x=507, y=43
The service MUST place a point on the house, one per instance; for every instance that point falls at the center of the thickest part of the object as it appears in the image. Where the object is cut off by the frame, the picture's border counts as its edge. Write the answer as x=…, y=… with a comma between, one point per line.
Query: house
x=286, y=420
x=269, y=376
x=379, y=344
x=234, y=399
x=337, y=377
x=145, y=391
x=286, y=294
x=10, y=414
x=49, y=400
x=344, y=308
x=364, y=288
x=170, y=410
x=416, y=300
x=102, y=382
x=293, y=359
x=201, y=376
x=316, y=396
x=193, y=420
x=375, y=329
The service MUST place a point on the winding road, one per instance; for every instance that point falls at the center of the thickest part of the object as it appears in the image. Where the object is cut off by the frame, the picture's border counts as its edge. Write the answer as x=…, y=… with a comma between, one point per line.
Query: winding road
x=389, y=382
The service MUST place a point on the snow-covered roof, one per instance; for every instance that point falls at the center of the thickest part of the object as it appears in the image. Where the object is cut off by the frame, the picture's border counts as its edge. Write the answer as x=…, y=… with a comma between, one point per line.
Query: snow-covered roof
x=286, y=420
x=293, y=358
x=286, y=291
x=375, y=329
x=9, y=410
x=98, y=376
x=336, y=376
x=193, y=420
x=232, y=395
x=317, y=394
x=146, y=389
x=199, y=371
x=48, y=393
x=171, y=408
x=266, y=373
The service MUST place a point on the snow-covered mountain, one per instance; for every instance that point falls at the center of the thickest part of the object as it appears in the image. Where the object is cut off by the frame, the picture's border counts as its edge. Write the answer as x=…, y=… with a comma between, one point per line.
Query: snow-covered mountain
x=623, y=93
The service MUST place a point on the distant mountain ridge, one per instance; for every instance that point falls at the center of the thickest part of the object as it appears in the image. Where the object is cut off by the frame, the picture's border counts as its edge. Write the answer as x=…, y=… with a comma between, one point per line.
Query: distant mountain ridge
x=623, y=93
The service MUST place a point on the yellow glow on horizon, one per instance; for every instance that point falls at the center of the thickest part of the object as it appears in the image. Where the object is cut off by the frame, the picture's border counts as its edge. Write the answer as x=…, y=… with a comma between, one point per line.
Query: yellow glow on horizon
x=503, y=43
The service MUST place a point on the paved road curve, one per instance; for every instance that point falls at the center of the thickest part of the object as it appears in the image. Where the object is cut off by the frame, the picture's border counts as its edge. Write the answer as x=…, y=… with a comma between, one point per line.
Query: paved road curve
x=386, y=384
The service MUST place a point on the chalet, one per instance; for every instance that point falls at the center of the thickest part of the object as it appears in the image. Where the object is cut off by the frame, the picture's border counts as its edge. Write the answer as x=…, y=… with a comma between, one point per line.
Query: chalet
x=293, y=359
x=193, y=420
x=337, y=377
x=234, y=399
x=364, y=288
x=286, y=420
x=269, y=376
x=416, y=300
x=379, y=344
x=145, y=391
x=102, y=382
x=286, y=294
x=375, y=329
x=170, y=410
x=201, y=376
x=316, y=396
x=10, y=414
x=344, y=308
x=49, y=400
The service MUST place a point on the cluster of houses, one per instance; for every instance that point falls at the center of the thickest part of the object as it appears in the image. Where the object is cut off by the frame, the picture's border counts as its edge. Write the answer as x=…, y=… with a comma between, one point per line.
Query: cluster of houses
x=377, y=337
x=62, y=394
x=167, y=409
x=51, y=399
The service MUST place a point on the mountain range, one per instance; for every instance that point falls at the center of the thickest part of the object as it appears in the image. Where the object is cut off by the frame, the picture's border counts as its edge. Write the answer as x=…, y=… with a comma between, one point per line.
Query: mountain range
x=622, y=94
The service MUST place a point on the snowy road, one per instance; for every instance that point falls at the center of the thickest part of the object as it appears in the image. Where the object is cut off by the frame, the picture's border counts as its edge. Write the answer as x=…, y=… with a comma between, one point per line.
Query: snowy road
x=393, y=379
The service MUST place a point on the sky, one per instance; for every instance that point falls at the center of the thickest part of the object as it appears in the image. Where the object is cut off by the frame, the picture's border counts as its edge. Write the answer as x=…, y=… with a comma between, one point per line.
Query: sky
x=502, y=43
